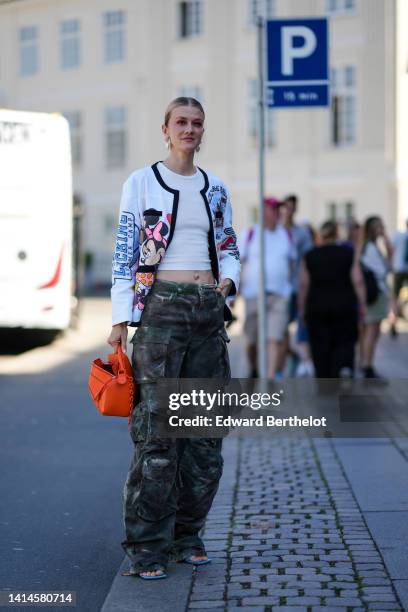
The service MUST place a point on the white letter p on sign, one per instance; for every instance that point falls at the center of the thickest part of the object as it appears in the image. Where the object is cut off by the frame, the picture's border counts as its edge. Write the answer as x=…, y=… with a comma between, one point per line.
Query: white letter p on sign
x=289, y=52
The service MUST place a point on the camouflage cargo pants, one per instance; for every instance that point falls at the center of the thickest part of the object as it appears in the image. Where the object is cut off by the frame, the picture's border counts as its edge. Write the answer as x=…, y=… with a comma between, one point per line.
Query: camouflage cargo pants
x=172, y=482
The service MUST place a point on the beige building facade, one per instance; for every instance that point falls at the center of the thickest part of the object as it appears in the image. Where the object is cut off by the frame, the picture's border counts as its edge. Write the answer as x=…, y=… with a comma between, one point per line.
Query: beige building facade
x=111, y=66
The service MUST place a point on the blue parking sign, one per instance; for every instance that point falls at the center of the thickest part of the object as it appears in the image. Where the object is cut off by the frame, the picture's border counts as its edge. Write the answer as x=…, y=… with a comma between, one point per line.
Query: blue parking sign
x=297, y=63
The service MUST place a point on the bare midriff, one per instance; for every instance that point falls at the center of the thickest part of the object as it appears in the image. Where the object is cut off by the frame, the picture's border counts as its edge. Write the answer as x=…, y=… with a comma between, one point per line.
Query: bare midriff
x=201, y=277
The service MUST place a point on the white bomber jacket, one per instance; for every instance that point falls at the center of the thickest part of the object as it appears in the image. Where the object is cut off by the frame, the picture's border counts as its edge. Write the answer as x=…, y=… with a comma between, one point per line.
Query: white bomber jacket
x=147, y=218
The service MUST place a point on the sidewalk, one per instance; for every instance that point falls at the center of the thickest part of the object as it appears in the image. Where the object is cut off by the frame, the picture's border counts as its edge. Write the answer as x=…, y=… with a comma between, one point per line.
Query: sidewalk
x=297, y=524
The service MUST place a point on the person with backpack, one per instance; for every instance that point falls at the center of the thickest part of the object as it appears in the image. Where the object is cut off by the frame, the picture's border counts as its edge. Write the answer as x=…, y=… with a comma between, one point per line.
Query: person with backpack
x=376, y=260
x=279, y=260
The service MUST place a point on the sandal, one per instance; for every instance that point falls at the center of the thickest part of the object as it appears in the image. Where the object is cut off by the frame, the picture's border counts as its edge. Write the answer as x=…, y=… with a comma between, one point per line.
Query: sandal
x=139, y=573
x=157, y=577
x=191, y=561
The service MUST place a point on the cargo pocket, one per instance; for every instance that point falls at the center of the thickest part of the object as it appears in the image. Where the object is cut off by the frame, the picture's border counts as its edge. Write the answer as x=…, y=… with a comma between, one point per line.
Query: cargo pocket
x=150, y=349
x=157, y=493
x=224, y=365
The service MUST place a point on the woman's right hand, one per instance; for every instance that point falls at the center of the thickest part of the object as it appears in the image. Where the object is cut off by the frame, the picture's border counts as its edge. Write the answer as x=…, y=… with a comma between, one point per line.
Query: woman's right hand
x=118, y=336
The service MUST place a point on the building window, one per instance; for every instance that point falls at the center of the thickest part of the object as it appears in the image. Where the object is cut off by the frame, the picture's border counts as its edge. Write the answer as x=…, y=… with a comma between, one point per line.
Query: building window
x=70, y=49
x=75, y=128
x=340, y=6
x=270, y=118
x=342, y=212
x=349, y=211
x=28, y=37
x=343, y=106
x=332, y=211
x=114, y=36
x=191, y=91
x=115, y=136
x=190, y=18
x=258, y=8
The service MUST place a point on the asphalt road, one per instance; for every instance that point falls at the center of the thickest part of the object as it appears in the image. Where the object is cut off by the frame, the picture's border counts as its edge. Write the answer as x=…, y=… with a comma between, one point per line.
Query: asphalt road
x=63, y=469
x=63, y=465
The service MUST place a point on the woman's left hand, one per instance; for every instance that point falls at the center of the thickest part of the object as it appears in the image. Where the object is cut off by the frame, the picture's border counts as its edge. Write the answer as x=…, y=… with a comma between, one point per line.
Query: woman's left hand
x=224, y=287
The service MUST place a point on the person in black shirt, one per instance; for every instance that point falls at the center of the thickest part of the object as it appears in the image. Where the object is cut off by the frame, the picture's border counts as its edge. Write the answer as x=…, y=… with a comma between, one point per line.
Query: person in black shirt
x=331, y=297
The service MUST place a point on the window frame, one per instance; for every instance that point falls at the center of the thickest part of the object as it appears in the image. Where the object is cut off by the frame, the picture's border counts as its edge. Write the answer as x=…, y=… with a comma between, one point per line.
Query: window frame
x=114, y=29
x=341, y=211
x=190, y=19
x=343, y=107
x=28, y=49
x=70, y=40
x=114, y=128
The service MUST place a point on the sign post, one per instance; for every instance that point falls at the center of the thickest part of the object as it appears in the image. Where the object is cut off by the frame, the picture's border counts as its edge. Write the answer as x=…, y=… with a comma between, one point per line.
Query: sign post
x=262, y=356
x=297, y=75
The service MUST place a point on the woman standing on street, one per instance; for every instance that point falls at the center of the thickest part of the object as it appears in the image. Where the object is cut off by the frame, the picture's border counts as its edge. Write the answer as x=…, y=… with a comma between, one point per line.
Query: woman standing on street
x=176, y=260
x=331, y=294
x=379, y=262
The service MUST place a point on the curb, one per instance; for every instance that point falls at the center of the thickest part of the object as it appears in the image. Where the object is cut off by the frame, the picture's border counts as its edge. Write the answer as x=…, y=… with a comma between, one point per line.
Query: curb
x=131, y=594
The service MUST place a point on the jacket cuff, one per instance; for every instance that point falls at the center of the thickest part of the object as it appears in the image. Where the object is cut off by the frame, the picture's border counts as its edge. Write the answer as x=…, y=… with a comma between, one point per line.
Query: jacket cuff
x=232, y=272
x=121, y=314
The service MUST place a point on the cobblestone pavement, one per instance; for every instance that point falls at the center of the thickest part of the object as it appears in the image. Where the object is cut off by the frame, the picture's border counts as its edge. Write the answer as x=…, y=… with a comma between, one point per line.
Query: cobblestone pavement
x=286, y=533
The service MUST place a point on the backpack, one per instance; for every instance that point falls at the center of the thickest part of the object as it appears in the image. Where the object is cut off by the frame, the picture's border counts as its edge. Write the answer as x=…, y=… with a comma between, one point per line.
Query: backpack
x=406, y=251
x=371, y=285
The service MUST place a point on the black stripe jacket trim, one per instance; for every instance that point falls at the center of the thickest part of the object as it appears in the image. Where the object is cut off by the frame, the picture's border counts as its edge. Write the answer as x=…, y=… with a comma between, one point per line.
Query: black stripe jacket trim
x=213, y=248
x=176, y=197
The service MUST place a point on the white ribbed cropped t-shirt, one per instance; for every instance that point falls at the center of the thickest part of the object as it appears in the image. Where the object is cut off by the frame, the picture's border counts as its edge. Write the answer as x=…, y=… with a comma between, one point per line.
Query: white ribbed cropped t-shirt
x=188, y=249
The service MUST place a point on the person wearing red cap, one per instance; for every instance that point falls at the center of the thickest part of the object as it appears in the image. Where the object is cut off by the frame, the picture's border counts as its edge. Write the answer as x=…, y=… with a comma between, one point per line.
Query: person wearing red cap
x=279, y=258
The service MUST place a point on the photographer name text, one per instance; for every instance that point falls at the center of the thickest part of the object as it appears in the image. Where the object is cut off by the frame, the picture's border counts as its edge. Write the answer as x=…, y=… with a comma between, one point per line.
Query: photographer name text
x=259, y=421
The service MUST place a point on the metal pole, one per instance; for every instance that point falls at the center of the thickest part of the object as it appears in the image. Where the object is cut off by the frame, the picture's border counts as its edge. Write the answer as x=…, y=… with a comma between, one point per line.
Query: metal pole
x=262, y=347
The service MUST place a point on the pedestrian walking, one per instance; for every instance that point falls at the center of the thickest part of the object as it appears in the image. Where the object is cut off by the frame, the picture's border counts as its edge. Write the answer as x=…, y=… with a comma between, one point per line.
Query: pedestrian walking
x=400, y=269
x=176, y=260
x=331, y=295
x=279, y=258
x=354, y=240
x=302, y=240
x=376, y=256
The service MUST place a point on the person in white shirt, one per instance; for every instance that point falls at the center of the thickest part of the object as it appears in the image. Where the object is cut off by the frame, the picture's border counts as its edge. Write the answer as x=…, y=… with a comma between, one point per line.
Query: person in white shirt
x=280, y=256
x=377, y=256
x=175, y=262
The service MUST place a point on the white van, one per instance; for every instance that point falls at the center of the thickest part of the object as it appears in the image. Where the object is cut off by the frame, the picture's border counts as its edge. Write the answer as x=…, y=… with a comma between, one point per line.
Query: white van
x=36, y=280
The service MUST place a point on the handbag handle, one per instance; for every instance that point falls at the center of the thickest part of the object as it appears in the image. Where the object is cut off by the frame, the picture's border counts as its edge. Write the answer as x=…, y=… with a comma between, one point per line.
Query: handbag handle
x=122, y=378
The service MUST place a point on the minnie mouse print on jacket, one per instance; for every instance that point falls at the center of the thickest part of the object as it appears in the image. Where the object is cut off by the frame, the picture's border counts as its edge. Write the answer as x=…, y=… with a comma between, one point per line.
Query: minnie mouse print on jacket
x=147, y=218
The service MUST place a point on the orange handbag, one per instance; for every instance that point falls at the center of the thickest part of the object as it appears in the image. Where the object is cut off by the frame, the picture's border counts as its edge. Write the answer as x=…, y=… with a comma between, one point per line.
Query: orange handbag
x=111, y=385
